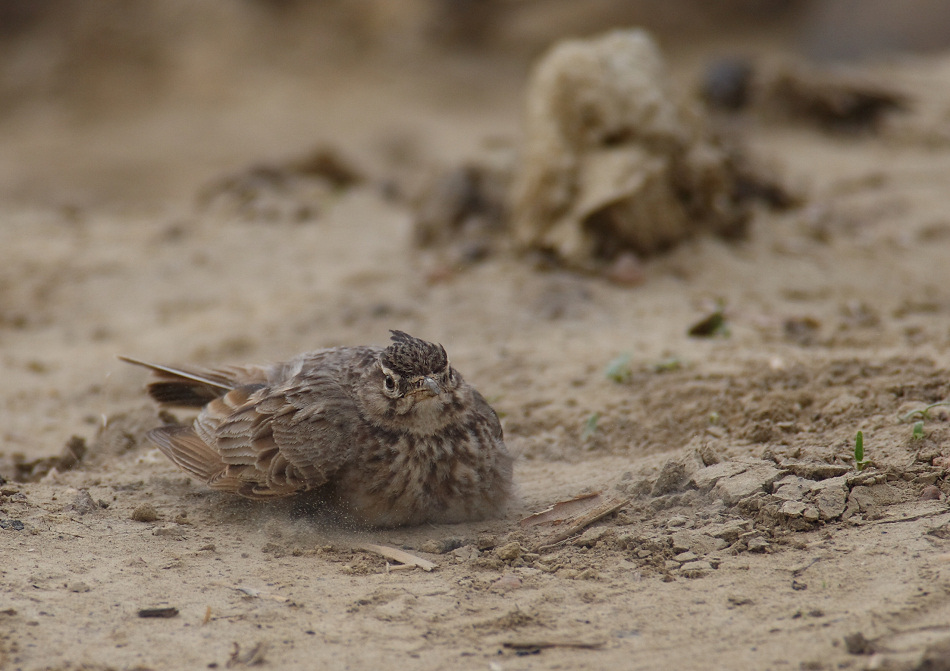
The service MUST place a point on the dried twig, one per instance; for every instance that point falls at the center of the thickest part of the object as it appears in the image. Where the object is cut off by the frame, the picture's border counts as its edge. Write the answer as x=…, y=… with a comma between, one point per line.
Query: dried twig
x=541, y=644
x=606, y=508
x=400, y=556
x=563, y=510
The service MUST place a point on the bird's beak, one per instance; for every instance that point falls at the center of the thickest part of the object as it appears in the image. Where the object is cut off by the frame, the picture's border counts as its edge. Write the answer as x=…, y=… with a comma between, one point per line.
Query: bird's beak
x=432, y=386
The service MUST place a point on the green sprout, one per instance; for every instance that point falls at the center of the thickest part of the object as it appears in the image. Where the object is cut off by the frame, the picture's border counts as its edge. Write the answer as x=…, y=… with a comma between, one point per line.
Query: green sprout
x=668, y=364
x=712, y=325
x=859, y=459
x=590, y=426
x=619, y=369
x=921, y=413
x=918, y=432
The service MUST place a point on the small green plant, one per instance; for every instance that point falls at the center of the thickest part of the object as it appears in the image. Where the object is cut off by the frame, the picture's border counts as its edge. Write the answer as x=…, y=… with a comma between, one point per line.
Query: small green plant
x=619, y=369
x=712, y=325
x=918, y=431
x=590, y=426
x=859, y=461
x=667, y=365
x=921, y=413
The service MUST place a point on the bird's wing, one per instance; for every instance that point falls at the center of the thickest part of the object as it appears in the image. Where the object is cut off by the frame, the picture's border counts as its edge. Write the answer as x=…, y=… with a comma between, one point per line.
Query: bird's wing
x=193, y=387
x=281, y=439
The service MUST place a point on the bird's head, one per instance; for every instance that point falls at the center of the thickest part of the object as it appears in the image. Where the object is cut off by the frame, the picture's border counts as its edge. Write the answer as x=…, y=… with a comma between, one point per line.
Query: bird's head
x=413, y=386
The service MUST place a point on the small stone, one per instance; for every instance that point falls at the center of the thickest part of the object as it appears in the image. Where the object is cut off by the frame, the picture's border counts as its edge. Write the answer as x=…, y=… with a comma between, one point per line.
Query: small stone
x=509, y=552
x=790, y=491
x=627, y=270
x=792, y=508
x=757, y=545
x=755, y=479
x=696, y=541
x=82, y=503
x=681, y=541
x=672, y=478
x=441, y=546
x=466, y=553
x=709, y=455
x=885, y=494
x=861, y=498
x=671, y=565
x=145, y=513
x=818, y=470
x=811, y=514
x=857, y=644
x=728, y=532
x=78, y=587
x=159, y=612
x=687, y=556
x=706, y=478
x=171, y=531
x=930, y=493
x=506, y=583
x=831, y=497
x=590, y=537
x=486, y=542
x=695, y=569
x=676, y=521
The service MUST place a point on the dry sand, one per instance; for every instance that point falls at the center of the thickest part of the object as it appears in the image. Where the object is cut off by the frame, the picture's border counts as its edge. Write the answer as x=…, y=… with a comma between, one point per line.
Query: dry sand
x=839, y=320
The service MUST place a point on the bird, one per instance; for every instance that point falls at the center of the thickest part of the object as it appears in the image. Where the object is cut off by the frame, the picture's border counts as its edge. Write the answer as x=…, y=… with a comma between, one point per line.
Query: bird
x=381, y=436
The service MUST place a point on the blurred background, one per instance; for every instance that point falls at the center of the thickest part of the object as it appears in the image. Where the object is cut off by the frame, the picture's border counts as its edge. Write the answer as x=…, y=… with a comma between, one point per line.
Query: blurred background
x=111, y=102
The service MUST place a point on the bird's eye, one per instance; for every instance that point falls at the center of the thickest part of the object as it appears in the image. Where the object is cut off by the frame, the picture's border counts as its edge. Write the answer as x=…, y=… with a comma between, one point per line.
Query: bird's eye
x=390, y=383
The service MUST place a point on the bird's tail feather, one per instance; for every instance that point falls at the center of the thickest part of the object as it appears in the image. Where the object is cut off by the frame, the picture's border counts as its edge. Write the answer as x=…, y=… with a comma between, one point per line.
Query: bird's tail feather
x=184, y=387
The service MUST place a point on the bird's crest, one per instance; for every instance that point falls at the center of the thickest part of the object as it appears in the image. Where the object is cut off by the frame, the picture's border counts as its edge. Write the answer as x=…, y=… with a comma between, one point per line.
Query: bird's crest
x=410, y=356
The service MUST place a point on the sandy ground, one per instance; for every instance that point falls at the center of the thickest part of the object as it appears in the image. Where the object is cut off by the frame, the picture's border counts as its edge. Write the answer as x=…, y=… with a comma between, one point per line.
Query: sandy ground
x=839, y=320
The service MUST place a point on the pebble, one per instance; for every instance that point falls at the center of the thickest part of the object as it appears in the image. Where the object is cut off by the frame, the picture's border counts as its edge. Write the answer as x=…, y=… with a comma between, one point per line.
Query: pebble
x=172, y=531
x=145, y=513
x=509, y=551
x=930, y=493
x=756, y=479
x=441, y=546
x=82, y=503
x=831, y=497
x=506, y=583
x=793, y=508
x=590, y=537
x=466, y=553
x=695, y=569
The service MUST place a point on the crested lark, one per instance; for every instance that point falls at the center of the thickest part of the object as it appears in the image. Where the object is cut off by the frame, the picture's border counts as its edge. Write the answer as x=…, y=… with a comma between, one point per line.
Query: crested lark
x=385, y=436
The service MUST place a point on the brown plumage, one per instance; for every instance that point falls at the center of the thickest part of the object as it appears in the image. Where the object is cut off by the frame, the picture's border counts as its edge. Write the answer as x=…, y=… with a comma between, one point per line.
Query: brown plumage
x=385, y=436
